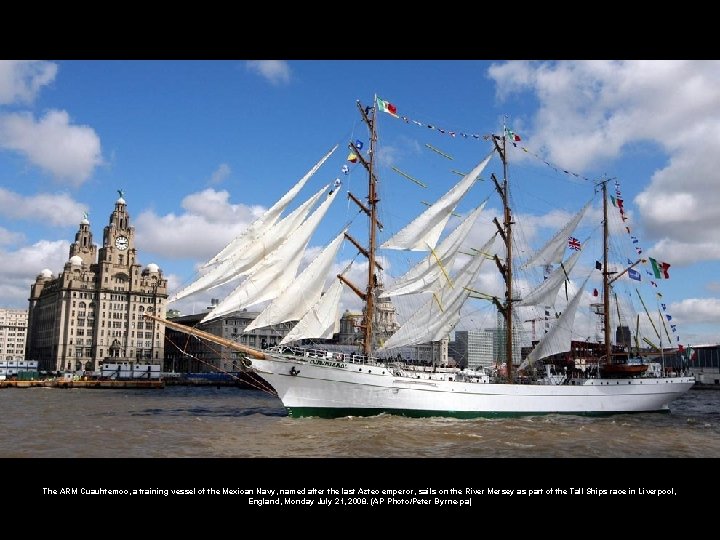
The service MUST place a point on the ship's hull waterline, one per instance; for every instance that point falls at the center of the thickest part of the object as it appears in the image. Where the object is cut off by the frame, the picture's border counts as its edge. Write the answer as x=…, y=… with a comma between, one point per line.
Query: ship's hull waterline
x=336, y=389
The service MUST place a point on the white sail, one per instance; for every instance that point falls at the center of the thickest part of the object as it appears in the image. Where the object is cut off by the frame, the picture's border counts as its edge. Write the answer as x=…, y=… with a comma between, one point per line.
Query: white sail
x=302, y=293
x=441, y=313
x=276, y=271
x=546, y=293
x=242, y=263
x=268, y=219
x=552, y=252
x=321, y=320
x=424, y=231
x=423, y=275
x=243, y=259
x=559, y=338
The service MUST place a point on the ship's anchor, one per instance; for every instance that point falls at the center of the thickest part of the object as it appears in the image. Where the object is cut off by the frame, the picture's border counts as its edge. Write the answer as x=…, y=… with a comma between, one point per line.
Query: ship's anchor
x=294, y=372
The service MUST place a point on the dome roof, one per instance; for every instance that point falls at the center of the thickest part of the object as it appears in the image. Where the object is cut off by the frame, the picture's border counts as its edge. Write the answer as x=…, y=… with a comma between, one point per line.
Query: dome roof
x=120, y=201
x=152, y=267
x=46, y=273
x=84, y=221
x=76, y=260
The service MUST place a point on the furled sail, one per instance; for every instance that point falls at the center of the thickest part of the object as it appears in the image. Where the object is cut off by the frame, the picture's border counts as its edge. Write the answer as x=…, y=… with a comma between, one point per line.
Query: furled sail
x=268, y=219
x=559, y=338
x=423, y=232
x=546, y=293
x=422, y=276
x=321, y=320
x=275, y=271
x=441, y=313
x=241, y=261
x=302, y=293
x=552, y=252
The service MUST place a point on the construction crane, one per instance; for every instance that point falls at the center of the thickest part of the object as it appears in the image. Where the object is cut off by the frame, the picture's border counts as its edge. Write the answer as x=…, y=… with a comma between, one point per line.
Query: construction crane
x=533, y=321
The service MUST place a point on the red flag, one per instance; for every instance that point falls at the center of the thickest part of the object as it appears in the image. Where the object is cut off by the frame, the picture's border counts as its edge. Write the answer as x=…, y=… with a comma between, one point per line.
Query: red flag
x=595, y=292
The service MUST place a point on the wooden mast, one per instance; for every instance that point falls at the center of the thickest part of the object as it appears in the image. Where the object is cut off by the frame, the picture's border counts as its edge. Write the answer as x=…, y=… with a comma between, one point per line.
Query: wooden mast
x=369, y=115
x=505, y=268
x=606, y=277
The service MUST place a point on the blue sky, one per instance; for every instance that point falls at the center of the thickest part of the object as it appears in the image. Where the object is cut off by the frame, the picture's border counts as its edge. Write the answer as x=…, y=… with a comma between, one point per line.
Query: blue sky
x=200, y=147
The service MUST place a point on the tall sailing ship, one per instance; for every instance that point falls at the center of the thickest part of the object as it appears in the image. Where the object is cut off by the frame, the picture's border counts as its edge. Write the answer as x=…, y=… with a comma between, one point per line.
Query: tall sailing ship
x=374, y=378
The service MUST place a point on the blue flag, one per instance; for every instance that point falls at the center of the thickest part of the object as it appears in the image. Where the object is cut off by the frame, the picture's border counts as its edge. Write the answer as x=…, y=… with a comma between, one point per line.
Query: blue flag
x=669, y=318
x=634, y=274
x=358, y=144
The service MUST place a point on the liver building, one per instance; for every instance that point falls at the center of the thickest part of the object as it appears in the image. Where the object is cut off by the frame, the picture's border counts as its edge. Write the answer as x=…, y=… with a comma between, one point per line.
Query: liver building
x=93, y=310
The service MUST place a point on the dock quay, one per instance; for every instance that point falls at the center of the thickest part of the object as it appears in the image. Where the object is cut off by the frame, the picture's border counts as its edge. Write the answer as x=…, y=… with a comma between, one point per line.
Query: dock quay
x=62, y=383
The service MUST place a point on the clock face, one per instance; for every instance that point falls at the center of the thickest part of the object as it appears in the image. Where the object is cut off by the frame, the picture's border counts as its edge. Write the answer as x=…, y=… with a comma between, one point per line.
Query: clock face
x=121, y=242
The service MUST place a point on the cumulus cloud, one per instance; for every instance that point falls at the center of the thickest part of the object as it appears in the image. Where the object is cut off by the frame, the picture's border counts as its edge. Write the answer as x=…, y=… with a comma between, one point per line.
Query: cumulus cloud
x=220, y=174
x=21, y=80
x=696, y=311
x=275, y=71
x=53, y=209
x=593, y=111
x=10, y=237
x=20, y=268
x=68, y=152
x=208, y=224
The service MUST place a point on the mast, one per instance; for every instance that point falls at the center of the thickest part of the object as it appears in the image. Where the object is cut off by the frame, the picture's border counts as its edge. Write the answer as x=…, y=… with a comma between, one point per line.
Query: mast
x=606, y=277
x=505, y=268
x=369, y=115
x=372, y=201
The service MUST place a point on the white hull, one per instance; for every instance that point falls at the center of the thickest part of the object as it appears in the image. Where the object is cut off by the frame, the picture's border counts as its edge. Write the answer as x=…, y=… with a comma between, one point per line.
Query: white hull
x=319, y=387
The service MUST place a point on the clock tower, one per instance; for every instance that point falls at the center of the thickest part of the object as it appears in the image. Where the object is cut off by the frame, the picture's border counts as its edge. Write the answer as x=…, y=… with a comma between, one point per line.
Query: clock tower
x=119, y=237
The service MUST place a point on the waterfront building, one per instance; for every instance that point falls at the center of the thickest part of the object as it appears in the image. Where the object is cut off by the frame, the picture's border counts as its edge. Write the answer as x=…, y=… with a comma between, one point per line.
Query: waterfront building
x=183, y=355
x=13, y=333
x=93, y=309
x=474, y=348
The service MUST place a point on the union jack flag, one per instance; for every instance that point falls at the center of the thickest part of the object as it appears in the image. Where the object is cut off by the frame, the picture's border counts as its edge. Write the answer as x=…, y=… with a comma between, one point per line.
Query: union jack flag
x=574, y=243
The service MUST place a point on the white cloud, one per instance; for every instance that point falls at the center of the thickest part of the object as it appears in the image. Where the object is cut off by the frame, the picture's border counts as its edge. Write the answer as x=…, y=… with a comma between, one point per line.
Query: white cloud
x=220, y=174
x=593, y=111
x=20, y=268
x=69, y=152
x=208, y=224
x=214, y=206
x=21, y=80
x=53, y=209
x=696, y=311
x=10, y=237
x=275, y=71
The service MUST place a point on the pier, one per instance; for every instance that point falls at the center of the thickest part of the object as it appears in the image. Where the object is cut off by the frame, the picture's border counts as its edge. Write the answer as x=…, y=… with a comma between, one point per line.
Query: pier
x=61, y=383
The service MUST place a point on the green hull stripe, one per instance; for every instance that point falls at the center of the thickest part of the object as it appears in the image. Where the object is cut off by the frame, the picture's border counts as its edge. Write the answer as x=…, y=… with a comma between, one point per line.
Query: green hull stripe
x=327, y=412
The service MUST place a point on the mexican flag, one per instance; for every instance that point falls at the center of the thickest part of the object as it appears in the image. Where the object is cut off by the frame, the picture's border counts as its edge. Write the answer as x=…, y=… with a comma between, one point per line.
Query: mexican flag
x=512, y=136
x=386, y=106
x=660, y=269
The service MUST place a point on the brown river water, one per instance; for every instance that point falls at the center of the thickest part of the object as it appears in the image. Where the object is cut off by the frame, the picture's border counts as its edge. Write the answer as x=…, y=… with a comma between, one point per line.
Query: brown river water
x=228, y=422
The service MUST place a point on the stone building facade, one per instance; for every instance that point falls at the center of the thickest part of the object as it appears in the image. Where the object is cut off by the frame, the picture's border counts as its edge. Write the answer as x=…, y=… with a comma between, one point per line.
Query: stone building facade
x=93, y=309
x=13, y=333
